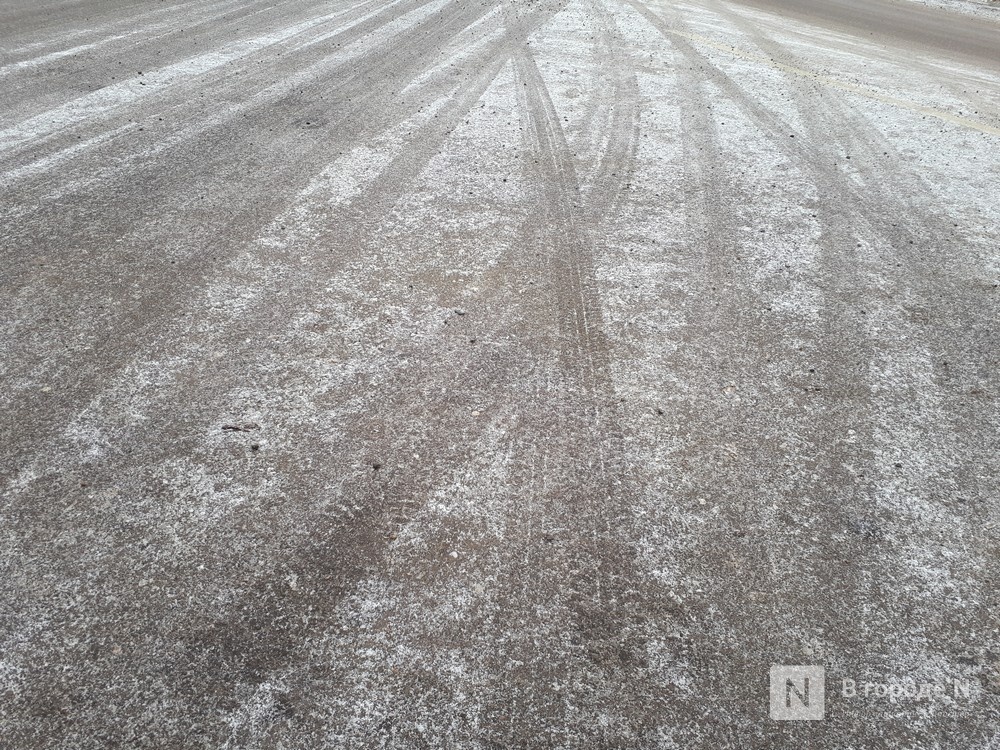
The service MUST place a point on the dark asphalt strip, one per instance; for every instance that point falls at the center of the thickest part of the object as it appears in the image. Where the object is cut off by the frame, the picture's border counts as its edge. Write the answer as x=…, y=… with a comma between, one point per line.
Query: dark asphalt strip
x=920, y=28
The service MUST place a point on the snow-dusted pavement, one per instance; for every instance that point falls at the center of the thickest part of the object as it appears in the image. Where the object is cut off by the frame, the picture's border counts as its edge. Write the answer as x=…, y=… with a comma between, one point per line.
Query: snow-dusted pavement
x=481, y=374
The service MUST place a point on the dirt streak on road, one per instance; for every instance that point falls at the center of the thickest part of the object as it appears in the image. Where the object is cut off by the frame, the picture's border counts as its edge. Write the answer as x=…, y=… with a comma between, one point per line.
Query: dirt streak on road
x=433, y=373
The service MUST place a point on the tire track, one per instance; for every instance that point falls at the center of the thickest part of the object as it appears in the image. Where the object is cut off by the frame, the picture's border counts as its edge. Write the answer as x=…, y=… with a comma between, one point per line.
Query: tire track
x=853, y=533
x=906, y=277
x=611, y=180
x=187, y=122
x=385, y=189
x=571, y=559
x=306, y=575
x=109, y=64
x=109, y=101
x=92, y=29
x=243, y=644
x=142, y=320
x=889, y=280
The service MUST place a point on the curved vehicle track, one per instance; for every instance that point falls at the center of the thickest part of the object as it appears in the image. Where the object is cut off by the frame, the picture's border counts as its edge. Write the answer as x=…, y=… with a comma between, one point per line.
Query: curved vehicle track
x=447, y=374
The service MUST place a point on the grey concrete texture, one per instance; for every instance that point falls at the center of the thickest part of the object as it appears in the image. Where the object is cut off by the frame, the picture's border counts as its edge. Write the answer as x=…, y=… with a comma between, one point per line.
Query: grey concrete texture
x=449, y=374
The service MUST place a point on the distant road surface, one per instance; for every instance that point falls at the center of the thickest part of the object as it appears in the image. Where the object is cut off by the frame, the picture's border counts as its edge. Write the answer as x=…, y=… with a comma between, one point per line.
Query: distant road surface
x=495, y=374
x=923, y=29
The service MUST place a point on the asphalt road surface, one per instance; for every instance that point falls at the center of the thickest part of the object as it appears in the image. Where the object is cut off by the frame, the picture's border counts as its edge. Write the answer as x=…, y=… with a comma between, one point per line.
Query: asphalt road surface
x=448, y=374
x=918, y=28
